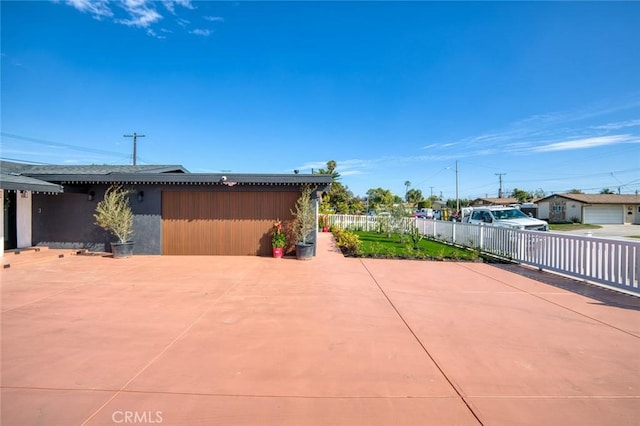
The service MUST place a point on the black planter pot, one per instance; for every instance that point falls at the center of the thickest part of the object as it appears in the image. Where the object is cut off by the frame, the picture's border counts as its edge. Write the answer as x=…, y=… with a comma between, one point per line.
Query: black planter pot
x=304, y=251
x=121, y=250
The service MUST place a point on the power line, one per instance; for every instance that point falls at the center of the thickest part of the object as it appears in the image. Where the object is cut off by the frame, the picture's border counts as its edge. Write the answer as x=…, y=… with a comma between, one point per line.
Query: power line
x=61, y=145
x=24, y=161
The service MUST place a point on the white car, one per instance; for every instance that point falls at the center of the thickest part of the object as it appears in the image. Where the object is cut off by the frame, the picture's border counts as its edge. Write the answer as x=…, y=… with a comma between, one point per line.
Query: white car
x=506, y=217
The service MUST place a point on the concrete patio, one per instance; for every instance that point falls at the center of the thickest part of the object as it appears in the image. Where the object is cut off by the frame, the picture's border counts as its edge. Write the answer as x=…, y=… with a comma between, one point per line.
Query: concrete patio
x=341, y=341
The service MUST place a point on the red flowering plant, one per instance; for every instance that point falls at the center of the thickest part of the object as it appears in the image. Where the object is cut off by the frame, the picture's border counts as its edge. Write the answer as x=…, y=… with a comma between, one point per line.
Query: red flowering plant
x=278, y=238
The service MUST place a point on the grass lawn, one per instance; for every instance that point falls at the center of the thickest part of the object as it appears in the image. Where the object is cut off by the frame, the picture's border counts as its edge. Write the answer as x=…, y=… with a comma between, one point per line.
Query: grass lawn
x=379, y=245
x=571, y=226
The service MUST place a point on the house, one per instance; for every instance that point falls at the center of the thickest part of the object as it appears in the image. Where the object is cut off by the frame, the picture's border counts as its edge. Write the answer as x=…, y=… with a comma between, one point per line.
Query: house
x=175, y=212
x=590, y=208
x=482, y=202
x=15, y=193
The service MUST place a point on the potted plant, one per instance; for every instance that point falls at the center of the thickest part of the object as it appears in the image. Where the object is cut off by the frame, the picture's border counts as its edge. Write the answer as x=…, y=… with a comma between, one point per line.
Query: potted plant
x=324, y=222
x=278, y=239
x=114, y=215
x=304, y=223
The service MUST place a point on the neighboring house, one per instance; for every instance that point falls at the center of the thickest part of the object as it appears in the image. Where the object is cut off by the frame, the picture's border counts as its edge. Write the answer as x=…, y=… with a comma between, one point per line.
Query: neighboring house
x=590, y=208
x=483, y=202
x=175, y=212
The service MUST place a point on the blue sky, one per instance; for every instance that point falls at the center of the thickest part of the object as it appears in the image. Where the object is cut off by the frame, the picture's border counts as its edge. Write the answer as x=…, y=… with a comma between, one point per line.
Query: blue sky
x=547, y=94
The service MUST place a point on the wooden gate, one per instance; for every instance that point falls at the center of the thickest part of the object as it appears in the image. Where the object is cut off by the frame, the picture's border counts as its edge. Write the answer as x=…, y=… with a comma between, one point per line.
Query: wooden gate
x=222, y=223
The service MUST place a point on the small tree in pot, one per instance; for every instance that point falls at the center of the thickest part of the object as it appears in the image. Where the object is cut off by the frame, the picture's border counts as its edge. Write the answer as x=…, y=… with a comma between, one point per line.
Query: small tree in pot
x=304, y=223
x=114, y=215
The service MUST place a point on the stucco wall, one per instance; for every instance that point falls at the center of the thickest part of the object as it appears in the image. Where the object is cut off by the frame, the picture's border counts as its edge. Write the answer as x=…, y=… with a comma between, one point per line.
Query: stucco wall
x=574, y=210
x=632, y=214
x=66, y=220
x=543, y=211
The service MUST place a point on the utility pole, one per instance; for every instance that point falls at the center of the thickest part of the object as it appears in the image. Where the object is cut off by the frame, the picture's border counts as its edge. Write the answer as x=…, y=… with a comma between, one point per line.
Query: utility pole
x=457, y=198
x=431, y=187
x=135, y=137
x=500, y=190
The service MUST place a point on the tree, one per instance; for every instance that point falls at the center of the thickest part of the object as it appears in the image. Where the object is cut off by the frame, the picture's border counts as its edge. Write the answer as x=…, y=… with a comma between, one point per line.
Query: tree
x=330, y=170
x=414, y=196
x=380, y=198
x=575, y=191
x=464, y=202
x=538, y=193
x=521, y=195
x=356, y=205
x=338, y=199
x=407, y=184
x=607, y=191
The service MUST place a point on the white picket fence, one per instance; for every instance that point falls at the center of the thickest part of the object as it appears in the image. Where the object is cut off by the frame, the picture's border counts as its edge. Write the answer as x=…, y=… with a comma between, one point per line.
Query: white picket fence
x=614, y=263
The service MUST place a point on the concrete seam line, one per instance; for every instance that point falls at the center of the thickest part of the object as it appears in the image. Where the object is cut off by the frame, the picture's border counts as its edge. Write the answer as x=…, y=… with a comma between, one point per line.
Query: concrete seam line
x=155, y=358
x=552, y=302
x=424, y=348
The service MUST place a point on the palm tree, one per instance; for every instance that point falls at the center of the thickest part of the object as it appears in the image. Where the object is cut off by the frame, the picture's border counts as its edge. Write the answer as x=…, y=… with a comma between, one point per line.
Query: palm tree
x=407, y=184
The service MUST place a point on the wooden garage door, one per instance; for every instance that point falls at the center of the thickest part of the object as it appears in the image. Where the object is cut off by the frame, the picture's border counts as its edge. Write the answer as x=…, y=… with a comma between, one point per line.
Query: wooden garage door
x=222, y=223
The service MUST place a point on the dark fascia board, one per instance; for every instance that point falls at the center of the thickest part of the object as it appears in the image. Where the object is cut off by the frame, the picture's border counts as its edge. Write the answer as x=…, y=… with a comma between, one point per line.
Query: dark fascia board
x=229, y=179
x=24, y=183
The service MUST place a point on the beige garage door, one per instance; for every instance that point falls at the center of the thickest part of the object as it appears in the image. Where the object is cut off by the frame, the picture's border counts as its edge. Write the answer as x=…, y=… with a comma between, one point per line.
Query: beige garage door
x=604, y=215
x=222, y=223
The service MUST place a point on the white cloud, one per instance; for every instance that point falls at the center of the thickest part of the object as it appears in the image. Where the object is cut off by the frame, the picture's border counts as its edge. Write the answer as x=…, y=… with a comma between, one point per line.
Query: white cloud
x=618, y=125
x=184, y=3
x=152, y=33
x=214, y=18
x=201, y=32
x=140, y=12
x=170, y=5
x=431, y=145
x=98, y=8
x=344, y=167
x=586, y=143
x=137, y=13
x=558, y=131
x=183, y=22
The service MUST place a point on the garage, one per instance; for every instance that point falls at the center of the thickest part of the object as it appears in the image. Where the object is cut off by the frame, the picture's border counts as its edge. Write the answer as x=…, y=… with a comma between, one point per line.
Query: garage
x=603, y=215
x=221, y=222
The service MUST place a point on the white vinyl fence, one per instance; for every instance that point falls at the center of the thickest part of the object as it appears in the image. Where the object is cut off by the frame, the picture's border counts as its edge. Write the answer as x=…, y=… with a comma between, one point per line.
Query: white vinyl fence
x=614, y=263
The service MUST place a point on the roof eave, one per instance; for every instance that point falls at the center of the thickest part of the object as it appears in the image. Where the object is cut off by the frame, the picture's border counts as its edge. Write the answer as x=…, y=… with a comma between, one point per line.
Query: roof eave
x=189, y=179
x=33, y=186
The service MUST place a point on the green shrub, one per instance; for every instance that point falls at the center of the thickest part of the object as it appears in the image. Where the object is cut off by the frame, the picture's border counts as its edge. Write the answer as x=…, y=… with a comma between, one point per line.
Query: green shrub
x=348, y=241
x=415, y=236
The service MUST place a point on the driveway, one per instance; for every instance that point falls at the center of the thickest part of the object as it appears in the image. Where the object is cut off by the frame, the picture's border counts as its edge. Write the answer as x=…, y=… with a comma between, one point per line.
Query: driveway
x=618, y=232
x=342, y=341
